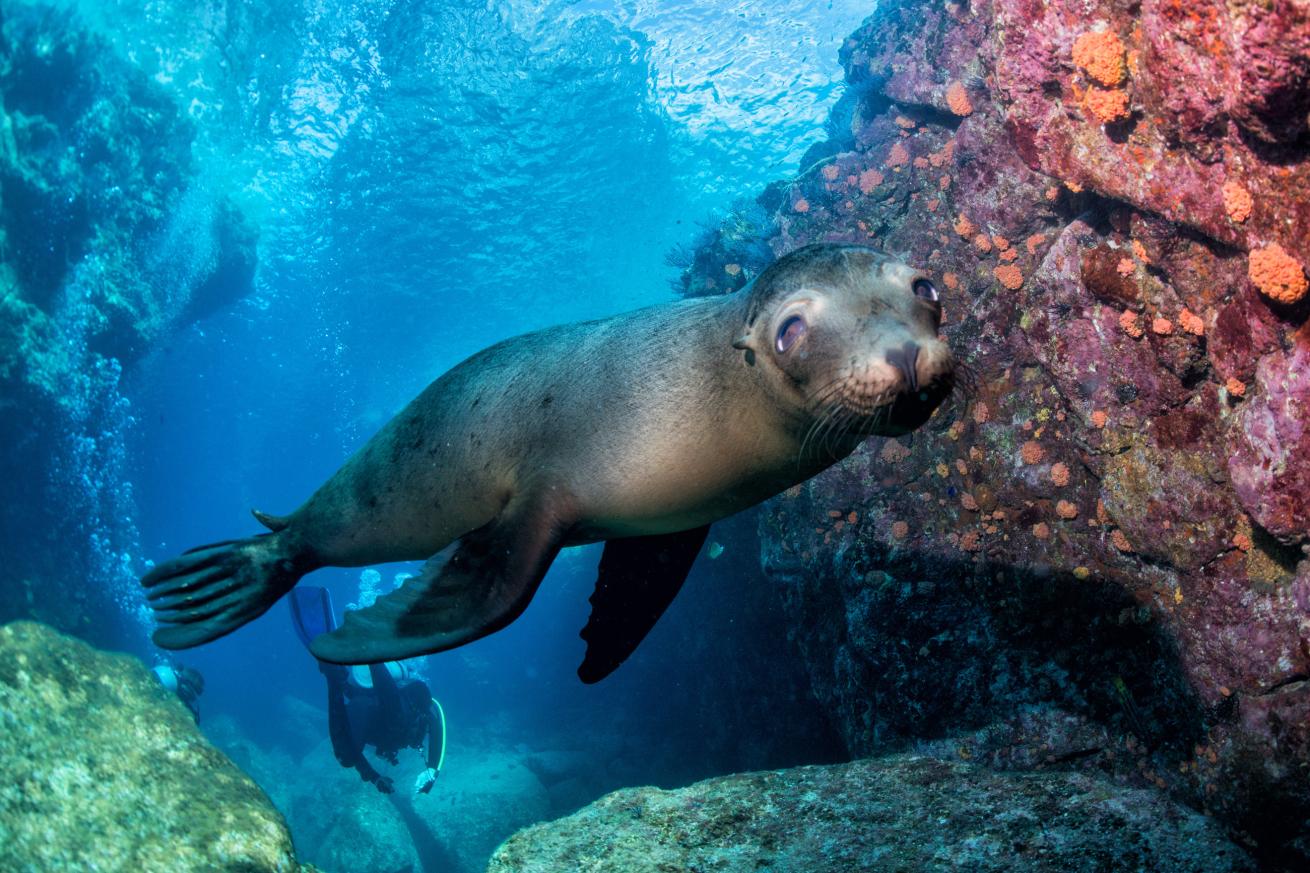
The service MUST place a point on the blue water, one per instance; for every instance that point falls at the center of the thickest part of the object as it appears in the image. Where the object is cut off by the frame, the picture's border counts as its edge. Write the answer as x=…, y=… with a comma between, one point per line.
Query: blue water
x=429, y=178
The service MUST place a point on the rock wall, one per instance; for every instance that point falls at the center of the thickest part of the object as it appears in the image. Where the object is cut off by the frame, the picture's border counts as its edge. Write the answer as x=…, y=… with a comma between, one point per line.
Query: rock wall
x=107, y=242
x=1096, y=557
x=102, y=769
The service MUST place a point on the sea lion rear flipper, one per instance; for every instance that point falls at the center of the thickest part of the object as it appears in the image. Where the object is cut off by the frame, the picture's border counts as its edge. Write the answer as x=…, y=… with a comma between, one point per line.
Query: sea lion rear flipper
x=639, y=577
x=483, y=586
x=212, y=590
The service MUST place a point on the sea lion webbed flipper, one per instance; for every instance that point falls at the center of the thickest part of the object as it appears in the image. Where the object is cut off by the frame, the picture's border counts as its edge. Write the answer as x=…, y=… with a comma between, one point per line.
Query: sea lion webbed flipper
x=478, y=589
x=212, y=590
x=638, y=579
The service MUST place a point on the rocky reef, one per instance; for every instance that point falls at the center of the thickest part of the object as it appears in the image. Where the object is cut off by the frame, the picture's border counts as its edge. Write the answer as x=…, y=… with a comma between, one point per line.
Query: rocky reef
x=1095, y=557
x=892, y=813
x=102, y=769
x=107, y=242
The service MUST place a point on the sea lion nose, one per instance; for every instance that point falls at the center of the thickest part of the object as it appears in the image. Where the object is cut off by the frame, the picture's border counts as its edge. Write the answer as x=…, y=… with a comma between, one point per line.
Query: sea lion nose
x=906, y=359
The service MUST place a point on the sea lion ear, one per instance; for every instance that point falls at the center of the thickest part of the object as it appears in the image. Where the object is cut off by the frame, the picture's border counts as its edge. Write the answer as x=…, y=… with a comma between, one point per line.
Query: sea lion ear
x=743, y=343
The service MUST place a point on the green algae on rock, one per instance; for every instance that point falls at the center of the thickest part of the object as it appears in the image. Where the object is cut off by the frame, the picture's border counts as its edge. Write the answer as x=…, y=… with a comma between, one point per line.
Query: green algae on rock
x=101, y=769
x=897, y=813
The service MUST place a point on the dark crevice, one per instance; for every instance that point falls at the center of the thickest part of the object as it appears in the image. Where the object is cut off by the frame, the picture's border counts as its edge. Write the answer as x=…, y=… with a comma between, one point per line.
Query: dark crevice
x=1282, y=684
x=1077, y=755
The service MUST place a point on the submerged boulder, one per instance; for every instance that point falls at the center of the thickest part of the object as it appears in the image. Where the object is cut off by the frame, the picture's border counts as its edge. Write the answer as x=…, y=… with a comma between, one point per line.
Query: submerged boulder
x=102, y=769
x=897, y=813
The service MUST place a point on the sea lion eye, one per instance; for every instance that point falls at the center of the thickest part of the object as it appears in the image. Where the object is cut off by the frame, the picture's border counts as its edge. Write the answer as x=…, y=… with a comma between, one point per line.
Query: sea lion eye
x=925, y=289
x=789, y=332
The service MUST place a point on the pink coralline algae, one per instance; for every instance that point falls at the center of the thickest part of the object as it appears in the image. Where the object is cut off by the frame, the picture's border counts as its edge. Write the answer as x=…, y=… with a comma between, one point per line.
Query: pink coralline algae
x=1269, y=467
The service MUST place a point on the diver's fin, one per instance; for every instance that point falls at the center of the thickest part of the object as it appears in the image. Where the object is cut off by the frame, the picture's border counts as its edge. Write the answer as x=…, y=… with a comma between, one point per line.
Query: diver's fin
x=639, y=577
x=274, y=523
x=479, y=589
x=311, y=612
x=211, y=591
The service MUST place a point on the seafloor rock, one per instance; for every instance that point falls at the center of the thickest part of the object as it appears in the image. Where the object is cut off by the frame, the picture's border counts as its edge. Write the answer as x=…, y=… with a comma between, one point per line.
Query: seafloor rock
x=1096, y=556
x=107, y=242
x=101, y=769
x=897, y=813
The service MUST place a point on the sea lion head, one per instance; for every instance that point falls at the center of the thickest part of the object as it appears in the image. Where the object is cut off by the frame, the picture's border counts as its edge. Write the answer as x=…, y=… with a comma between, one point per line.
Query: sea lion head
x=848, y=338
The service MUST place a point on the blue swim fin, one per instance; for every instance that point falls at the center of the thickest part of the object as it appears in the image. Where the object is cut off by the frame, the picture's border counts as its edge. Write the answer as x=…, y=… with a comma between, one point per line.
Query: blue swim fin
x=311, y=612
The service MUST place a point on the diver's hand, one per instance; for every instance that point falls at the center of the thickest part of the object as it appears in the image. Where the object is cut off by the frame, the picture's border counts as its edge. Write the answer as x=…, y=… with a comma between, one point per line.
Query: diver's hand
x=384, y=784
x=423, y=784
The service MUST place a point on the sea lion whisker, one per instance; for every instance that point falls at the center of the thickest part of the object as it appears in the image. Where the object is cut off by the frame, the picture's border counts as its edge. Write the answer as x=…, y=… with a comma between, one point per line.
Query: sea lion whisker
x=854, y=420
x=823, y=389
x=965, y=381
x=818, y=433
x=841, y=425
x=828, y=421
x=822, y=396
x=814, y=429
x=820, y=400
x=800, y=451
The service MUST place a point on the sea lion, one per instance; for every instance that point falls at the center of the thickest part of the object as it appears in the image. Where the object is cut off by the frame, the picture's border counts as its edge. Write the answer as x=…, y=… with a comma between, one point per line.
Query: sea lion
x=639, y=430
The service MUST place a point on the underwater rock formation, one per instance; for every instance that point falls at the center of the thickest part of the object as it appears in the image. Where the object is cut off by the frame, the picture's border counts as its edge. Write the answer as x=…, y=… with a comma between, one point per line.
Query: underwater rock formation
x=1097, y=558
x=895, y=813
x=101, y=768
x=107, y=243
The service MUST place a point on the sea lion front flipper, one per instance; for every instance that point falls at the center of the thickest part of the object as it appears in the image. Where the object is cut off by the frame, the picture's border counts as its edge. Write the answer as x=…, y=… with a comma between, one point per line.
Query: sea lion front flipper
x=639, y=577
x=483, y=586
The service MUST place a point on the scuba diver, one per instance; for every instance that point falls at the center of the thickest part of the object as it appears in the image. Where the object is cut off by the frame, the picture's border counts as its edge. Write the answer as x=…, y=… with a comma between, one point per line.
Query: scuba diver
x=185, y=682
x=382, y=705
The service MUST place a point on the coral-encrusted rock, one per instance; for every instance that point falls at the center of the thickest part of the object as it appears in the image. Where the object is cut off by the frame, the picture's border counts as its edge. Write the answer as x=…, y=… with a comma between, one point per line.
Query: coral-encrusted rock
x=102, y=769
x=1208, y=81
x=1097, y=557
x=1269, y=467
x=900, y=813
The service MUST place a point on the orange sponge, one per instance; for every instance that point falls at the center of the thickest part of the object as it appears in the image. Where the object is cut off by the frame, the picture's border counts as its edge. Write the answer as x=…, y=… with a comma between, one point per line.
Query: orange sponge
x=1237, y=201
x=958, y=99
x=1278, y=275
x=1106, y=105
x=1008, y=275
x=1100, y=54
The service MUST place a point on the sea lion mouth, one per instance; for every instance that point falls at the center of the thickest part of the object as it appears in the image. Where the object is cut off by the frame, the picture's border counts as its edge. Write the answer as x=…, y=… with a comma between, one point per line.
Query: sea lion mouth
x=910, y=410
x=852, y=408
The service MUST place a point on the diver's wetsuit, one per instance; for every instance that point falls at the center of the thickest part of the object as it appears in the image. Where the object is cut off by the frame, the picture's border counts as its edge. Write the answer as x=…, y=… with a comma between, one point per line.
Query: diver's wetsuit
x=389, y=716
